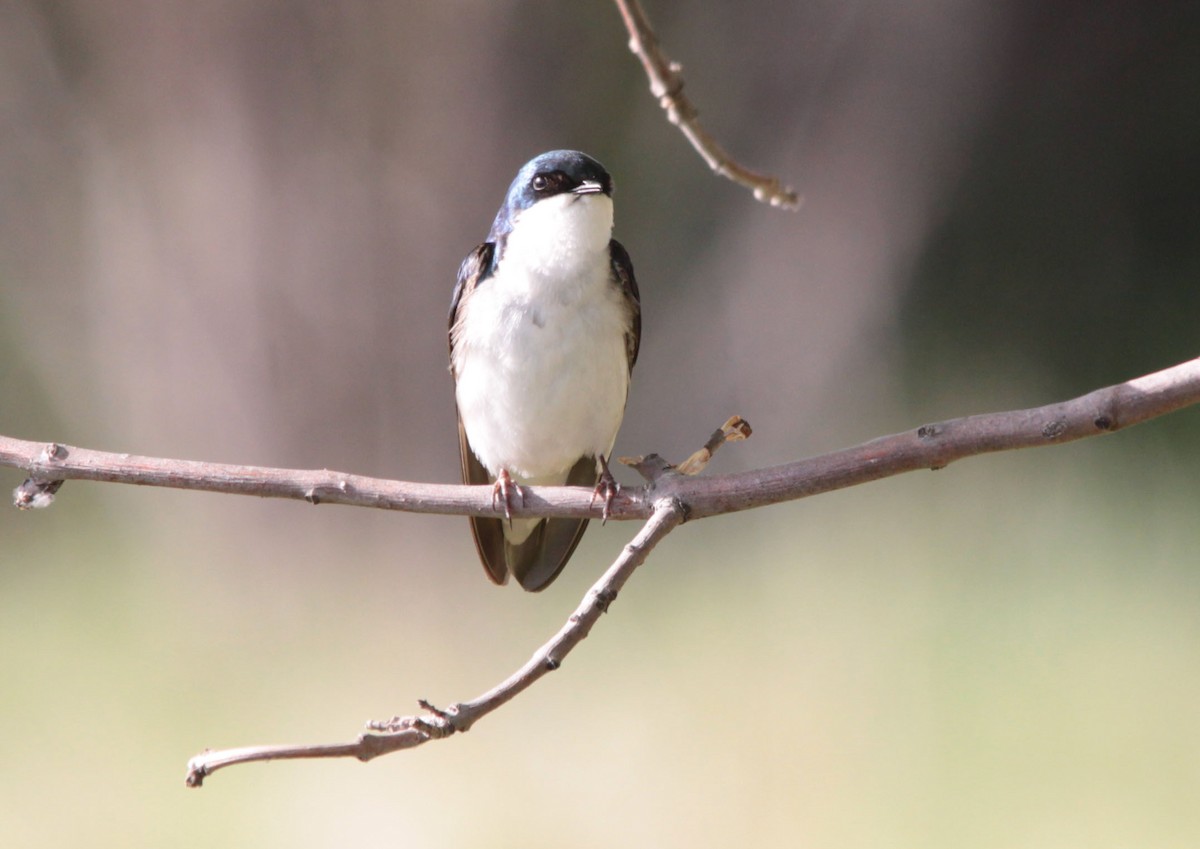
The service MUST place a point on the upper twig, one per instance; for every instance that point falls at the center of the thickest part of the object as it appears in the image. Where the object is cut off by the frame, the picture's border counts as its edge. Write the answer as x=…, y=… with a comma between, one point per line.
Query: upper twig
x=666, y=84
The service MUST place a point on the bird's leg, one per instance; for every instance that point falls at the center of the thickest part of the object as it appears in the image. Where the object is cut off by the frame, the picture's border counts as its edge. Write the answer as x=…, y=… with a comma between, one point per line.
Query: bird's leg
x=606, y=488
x=503, y=489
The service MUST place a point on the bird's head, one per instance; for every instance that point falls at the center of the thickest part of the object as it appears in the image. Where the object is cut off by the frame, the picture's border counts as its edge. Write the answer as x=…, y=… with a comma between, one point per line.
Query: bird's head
x=560, y=202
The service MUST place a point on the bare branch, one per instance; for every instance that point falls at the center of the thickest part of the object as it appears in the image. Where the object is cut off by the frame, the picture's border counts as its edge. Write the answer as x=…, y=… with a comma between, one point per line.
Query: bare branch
x=931, y=446
x=48, y=464
x=406, y=732
x=666, y=84
x=934, y=446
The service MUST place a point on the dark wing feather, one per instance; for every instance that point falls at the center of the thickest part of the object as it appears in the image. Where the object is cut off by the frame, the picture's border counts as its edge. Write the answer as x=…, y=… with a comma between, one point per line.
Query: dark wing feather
x=537, y=561
x=623, y=269
x=474, y=269
x=488, y=533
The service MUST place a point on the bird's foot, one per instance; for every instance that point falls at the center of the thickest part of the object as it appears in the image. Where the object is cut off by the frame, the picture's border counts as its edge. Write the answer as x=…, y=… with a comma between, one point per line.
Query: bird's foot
x=606, y=488
x=502, y=490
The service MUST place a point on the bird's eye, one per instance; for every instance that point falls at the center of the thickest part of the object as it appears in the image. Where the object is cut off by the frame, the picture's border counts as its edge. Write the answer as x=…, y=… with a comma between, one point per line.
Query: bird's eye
x=540, y=183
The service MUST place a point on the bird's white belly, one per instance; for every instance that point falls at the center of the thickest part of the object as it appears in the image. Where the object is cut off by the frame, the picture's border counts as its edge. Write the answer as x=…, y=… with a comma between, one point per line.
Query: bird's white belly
x=542, y=376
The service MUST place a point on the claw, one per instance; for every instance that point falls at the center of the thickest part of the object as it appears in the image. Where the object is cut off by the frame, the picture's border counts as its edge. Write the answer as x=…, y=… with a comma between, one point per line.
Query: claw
x=503, y=489
x=606, y=488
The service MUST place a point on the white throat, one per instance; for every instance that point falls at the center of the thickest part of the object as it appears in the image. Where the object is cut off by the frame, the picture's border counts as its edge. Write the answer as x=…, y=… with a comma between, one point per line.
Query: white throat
x=561, y=235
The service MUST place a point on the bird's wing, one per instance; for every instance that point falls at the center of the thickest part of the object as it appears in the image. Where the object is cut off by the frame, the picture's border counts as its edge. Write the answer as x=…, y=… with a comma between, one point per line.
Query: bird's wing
x=474, y=269
x=488, y=533
x=623, y=269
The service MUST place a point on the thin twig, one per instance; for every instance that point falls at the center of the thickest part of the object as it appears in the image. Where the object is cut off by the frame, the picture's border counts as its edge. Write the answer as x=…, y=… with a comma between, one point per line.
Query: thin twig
x=735, y=429
x=666, y=84
x=406, y=732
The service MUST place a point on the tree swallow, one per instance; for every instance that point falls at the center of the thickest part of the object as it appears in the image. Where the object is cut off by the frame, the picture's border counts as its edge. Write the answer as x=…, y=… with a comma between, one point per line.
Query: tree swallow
x=545, y=324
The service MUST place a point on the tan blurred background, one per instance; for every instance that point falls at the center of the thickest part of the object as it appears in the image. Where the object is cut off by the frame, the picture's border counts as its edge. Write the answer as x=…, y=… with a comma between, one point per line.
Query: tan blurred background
x=229, y=231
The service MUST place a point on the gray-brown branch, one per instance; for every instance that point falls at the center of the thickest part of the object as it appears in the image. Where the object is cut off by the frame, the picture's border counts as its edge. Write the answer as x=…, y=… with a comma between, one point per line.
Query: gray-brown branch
x=930, y=446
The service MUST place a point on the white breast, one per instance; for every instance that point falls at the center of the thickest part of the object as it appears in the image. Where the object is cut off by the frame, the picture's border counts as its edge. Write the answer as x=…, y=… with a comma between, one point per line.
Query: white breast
x=540, y=358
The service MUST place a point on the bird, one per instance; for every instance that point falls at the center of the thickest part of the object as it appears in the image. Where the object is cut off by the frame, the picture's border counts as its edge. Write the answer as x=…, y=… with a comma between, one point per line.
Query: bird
x=545, y=326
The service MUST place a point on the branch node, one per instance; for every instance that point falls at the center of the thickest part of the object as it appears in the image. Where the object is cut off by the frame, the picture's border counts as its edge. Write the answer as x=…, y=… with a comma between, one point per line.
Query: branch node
x=652, y=467
x=1054, y=429
x=552, y=663
x=396, y=723
x=444, y=716
x=604, y=598
x=439, y=723
x=1103, y=422
x=53, y=451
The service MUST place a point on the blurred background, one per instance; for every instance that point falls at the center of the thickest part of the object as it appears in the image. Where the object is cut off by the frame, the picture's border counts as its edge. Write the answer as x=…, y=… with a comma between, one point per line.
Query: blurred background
x=229, y=231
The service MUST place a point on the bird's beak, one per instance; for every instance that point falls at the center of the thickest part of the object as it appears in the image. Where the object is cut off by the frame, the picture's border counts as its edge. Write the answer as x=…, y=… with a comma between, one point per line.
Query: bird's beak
x=587, y=187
